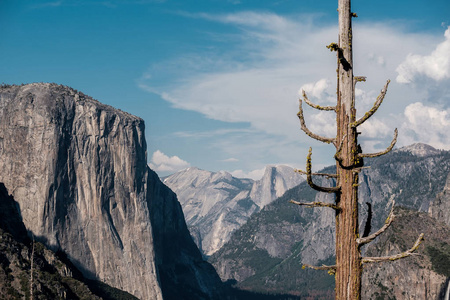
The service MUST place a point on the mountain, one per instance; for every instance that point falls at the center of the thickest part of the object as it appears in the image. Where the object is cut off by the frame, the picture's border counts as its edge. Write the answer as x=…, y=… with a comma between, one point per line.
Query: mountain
x=421, y=276
x=215, y=204
x=78, y=172
x=440, y=207
x=29, y=268
x=266, y=253
x=419, y=149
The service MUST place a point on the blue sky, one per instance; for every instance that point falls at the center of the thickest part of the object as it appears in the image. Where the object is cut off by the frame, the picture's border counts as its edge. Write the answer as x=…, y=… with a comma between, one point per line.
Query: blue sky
x=217, y=82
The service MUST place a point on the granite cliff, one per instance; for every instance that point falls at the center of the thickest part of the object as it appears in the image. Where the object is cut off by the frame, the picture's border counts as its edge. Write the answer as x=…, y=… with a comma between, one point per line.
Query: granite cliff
x=215, y=204
x=30, y=270
x=422, y=276
x=77, y=169
x=440, y=206
x=266, y=253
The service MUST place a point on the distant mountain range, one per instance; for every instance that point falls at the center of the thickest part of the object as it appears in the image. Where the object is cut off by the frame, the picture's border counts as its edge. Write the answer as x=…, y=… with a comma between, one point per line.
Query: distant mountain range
x=215, y=204
x=267, y=252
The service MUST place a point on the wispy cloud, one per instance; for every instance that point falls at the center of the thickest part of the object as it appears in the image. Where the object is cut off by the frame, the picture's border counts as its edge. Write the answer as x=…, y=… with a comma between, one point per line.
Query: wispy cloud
x=231, y=159
x=275, y=57
x=106, y=3
x=212, y=133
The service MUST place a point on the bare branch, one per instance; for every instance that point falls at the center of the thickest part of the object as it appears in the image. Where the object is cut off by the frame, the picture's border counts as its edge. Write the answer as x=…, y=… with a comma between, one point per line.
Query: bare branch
x=388, y=149
x=358, y=79
x=307, y=131
x=376, y=105
x=331, y=269
x=407, y=253
x=315, y=204
x=387, y=223
x=327, y=175
x=335, y=189
x=315, y=105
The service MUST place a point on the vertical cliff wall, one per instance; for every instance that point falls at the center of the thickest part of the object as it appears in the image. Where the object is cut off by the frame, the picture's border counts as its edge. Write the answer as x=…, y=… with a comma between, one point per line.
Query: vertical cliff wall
x=77, y=168
x=183, y=272
x=440, y=206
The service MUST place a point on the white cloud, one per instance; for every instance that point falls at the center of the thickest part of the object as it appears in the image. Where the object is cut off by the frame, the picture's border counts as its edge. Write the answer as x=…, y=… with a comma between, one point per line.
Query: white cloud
x=213, y=133
x=163, y=163
x=319, y=90
x=255, y=174
x=323, y=123
x=426, y=124
x=231, y=159
x=435, y=66
x=375, y=128
x=259, y=80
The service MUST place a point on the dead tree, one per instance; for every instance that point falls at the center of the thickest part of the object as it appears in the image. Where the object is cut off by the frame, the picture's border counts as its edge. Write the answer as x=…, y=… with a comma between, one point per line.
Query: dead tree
x=349, y=162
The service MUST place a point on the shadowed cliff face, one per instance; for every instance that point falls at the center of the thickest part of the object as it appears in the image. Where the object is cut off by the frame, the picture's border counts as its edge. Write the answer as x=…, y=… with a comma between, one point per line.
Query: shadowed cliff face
x=183, y=272
x=78, y=170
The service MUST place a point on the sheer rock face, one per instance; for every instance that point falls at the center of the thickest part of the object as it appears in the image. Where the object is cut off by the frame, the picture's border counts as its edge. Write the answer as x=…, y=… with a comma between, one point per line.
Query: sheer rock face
x=183, y=272
x=215, y=204
x=274, y=183
x=416, y=277
x=440, y=207
x=77, y=169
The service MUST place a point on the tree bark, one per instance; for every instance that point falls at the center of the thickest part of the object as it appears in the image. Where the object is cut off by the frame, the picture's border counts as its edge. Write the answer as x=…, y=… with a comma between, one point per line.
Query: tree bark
x=349, y=162
x=348, y=255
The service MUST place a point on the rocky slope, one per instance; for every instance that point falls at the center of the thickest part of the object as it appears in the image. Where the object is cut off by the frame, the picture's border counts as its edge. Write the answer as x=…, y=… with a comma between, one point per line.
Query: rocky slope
x=78, y=171
x=215, y=204
x=417, y=277
x=440, y=207
x=266, y=253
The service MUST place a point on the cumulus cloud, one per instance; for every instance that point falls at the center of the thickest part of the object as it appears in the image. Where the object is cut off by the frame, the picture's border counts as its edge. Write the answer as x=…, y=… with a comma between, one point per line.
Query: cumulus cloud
x=255, y=174
x=435, y=66
x=375, y=128
x=320, y=90
x=160, y=162
x=426, y=124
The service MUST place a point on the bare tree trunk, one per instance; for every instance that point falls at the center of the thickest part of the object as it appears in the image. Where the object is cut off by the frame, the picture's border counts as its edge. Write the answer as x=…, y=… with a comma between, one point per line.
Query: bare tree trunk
x=349, y=161
x=348, y=256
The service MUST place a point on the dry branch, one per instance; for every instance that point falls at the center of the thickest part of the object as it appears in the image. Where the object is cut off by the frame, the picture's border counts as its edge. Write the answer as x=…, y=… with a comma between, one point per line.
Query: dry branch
x=307, y=131
x=358, y=79
x=331, y=269
x=376, y=105
x=309, y=178
x=388, y=149
x=387, y=223
x=327, y=175
x=407, y=253
x=319, y=107
x=315, y=204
